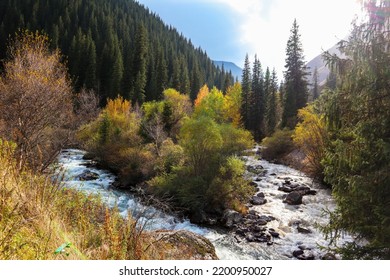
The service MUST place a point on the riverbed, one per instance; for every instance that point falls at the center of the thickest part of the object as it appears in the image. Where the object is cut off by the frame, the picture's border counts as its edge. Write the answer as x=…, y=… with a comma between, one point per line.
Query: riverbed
x=288, y=219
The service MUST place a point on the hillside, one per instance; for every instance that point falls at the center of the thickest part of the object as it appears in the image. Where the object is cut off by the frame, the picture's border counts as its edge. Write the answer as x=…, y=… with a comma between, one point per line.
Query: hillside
x=323, y=70
x=114, y=46
x=230, y=67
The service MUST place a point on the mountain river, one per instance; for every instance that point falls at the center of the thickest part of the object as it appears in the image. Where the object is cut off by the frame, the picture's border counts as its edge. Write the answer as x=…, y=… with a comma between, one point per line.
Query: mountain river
x=288, y=218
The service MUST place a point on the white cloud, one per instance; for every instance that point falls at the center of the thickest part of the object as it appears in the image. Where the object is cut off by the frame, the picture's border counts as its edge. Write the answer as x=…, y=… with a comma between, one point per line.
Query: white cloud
x=264, y=26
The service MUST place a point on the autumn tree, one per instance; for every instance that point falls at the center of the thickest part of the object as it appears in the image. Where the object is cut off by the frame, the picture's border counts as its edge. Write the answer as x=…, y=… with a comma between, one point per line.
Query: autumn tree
x=35, y=100
x=232, y=105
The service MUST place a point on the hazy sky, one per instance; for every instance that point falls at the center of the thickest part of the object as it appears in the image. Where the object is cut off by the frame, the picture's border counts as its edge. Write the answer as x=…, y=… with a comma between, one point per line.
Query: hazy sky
x=228, y=29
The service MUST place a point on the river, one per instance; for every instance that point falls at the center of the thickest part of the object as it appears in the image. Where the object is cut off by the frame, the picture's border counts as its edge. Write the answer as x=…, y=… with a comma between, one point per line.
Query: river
x=287, y=217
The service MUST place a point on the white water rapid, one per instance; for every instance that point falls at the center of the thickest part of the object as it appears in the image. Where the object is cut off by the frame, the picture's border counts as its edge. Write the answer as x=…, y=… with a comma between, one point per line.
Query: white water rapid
x=228, y=246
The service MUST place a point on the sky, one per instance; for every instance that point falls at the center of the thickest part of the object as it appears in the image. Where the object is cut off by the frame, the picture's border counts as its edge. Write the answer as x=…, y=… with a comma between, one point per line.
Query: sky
x=229, y=29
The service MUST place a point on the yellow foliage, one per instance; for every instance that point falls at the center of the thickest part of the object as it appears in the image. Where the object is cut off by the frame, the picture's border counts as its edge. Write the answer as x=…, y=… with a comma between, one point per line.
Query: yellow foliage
x=203, y=92
x=311, y=136
x=211, y=105
x=118, y=106
x=232, y=105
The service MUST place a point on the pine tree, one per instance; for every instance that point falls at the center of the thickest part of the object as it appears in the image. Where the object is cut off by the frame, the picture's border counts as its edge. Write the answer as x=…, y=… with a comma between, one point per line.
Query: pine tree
x=184, y=77
x=271, y=113
x=139, y=66
x=161, y=75
x=246, y=93
x=295, y=81
x=196, y=81
x=357, y=163
x=316, y=89
x=258, y=104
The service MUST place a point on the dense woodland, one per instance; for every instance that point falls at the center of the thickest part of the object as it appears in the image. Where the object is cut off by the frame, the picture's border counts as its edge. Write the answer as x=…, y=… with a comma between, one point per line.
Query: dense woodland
x=115, y=47
x=166, y=113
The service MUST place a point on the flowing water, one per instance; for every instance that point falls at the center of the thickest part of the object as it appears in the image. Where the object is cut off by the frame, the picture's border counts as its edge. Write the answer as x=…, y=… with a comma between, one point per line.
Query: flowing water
x=307, y=215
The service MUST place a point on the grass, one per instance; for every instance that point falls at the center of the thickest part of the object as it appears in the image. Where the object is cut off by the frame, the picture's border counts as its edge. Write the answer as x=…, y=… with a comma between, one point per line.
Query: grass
x=41, y=220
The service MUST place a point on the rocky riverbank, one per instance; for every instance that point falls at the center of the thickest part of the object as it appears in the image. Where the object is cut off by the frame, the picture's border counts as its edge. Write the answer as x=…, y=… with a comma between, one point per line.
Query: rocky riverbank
x=281, y=221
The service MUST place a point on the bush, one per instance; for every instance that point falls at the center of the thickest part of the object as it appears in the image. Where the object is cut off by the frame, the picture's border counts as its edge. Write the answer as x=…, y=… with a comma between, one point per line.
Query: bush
x=115, y=140
x=311, y=136
x=35, y=101
x=206, y=176
x=229, y=189
x=278, y=145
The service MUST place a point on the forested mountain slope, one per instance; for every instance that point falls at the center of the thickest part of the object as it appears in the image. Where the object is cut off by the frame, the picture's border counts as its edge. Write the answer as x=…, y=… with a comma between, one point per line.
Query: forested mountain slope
x=114, y=46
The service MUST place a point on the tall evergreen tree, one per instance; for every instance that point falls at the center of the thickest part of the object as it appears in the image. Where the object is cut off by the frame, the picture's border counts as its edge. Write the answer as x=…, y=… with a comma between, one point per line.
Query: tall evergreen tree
x=139, y=66
x=271, y=113
x=246, y=93
x=196, y=80
x=295, y=96
x=357, y=163
x=257, y=104
x=162, y=75
x=316, y=90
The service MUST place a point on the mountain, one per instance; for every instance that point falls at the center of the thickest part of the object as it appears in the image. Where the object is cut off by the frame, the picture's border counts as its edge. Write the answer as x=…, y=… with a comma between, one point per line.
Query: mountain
x=322, y=70
x=114, y=46
x=230, y=66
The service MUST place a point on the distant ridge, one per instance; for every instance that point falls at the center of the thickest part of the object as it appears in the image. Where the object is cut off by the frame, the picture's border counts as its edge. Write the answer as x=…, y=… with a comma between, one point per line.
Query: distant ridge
x=229, y=66
x=322, y=70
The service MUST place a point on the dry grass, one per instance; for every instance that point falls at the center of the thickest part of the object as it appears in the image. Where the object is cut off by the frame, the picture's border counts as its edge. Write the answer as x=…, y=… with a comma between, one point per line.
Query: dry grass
x=37, y=216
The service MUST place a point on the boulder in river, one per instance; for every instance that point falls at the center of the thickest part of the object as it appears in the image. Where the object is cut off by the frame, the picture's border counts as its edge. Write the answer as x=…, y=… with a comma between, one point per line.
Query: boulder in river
x=88, y=176
x=231, y=217
x=293, y=198
x=298, y=253
x=258, y=200
x=256, y=169
x=260, y=194
x=329, y=256
x=183, y=245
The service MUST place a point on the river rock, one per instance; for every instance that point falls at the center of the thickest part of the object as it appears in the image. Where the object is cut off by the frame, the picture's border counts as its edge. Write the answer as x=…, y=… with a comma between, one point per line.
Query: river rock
x=249, y=237
x=267, y=218
x=88, y=176
x=260, y=194
x=293, y=198
x=199, y=217
x=256, y=169
x=312, y=192
x=261, y=222
x=303, y=230
x=273, y=233
x=285, y=189
x=258, y=200
x=307, y=255
x=298, y=253
x=329, y=257
x=231, y=217
x=183, y=245
x=253, y=184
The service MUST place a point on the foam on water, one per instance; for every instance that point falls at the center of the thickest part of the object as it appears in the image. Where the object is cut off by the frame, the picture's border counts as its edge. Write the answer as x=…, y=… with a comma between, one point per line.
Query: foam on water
x=310, y=213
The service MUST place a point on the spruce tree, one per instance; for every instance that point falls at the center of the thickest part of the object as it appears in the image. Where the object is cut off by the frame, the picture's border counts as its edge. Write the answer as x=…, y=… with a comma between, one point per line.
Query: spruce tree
x=295, y=96
x=258, y=104
x=162, y=75
x=271, y=117
x=246, y=93
x=357, y=163
x=316, y=89
x=140, y=66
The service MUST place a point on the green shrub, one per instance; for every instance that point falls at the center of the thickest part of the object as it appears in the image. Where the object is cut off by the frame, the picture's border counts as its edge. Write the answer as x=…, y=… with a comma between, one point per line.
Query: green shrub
x=278, y=145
